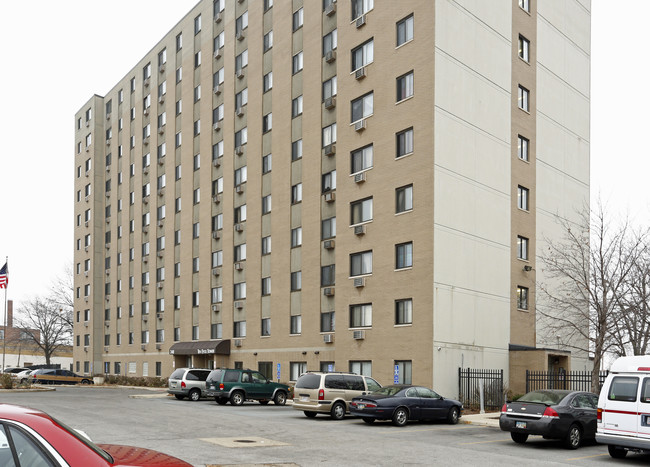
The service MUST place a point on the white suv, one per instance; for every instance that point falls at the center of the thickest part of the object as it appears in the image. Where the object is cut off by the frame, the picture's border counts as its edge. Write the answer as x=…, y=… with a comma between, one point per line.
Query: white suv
x=330, y=393
x=624, y=407
x=188, y=382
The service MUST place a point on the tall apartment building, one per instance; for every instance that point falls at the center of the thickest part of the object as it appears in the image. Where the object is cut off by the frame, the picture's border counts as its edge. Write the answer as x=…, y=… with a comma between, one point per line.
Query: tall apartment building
x=355, y=185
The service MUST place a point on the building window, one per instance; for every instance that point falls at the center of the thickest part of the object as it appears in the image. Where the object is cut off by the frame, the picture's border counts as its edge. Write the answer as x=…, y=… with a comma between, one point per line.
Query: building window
x=296, y=281
x=239, y=329
x=267, y=122
x=404, y=143
x=197, y=59
x=266, y=286
x=268, y=40
x=524, y=48
x=197, y=128
x=177, y=334
x=523, y=98
x=329, y=88
x=522, y=148
x=522, y=297
x=361, y=368
x=522, y=248
x=195, y=333
x=240, y=213
x=296, y=107
x=297, y=62
x=197, y=195
x=404, y=372
x=361, y=263
x=328, y=181
x=404, y=255
x=195, y=299
x=405, y=30
x=241, y=23
x=240, y=290
x=267, y=163
x=240, y=252
x=197, y=25
x=363, y=55
x=296, y=324
x=195, y=264
x=197, y=93
x=297, y=369
x=296, y=193
x=361, y=316
x=524, y=5
x=361, y=211
x=327, y=275
x=329, y=42
x=267, y=5
x=362, y=107
x=328, y=228
x=296, y=237
x=241, y=137
x=361, y=7
x=266, y=204
x=296, y=150
x=405, y=86
x=522, y=198
x=241, y=175
x=361, y=159
x=216, y=331
x=241, y=98
x=404, y=199
x=179, y=42
x=327, y=323
x=268, y=81
x=266, y=245
x=241, y=61
x=266, y=326
x=329, y=135
x=404, y=311
x=217, y=258
x=297, y=19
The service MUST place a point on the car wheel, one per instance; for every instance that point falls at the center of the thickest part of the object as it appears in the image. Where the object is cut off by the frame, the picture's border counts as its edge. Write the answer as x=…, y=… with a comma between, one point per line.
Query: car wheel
x=573, y=437
x=180, y=397
x=237, y=398
x=280, y=398
x=369, y=421
x=400, y=416
x=309, y=414
x=85, y=381
x=452, y=416
x=264, y=402
x=221, y=400
x=519, y=438
x=338, y=411
x=194, y=395
x=616, y=452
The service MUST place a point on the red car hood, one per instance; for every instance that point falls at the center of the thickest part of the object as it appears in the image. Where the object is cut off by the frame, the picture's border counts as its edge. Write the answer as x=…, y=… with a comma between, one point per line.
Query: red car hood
x=140, y=457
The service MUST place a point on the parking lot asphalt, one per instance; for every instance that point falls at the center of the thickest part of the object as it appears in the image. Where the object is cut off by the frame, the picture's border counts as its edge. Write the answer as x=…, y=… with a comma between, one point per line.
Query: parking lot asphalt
x=206, y=434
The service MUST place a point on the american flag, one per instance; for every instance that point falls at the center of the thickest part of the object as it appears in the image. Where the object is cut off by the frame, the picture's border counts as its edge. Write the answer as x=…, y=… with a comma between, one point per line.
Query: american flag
x=4, y=276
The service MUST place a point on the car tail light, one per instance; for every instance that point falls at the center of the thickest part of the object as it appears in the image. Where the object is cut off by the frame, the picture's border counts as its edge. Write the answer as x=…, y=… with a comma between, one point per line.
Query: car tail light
x=321, y=395
x=504, y=409
x=599, y=415
x=370, y=405
x=182, y=384
x=550, y=413
x=221, y=386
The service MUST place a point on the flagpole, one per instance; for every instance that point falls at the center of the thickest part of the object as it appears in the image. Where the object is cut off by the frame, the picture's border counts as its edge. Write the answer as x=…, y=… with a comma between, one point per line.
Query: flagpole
x=4, y=337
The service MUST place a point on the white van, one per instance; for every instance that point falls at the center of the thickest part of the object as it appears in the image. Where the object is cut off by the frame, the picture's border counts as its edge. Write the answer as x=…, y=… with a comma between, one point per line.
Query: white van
x=624, y=407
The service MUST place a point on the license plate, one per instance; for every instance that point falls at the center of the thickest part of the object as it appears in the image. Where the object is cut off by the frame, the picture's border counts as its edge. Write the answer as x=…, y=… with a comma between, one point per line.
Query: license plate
x=520, y=424
x=304, y=398
x=361, y=406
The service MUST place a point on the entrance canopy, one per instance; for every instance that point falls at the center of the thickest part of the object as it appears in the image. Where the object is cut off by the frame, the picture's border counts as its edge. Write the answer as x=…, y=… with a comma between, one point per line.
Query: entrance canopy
x=220, y=347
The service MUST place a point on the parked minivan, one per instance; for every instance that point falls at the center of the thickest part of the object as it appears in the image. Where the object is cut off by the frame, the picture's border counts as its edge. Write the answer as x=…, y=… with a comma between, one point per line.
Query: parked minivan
x=330, y=393
x=188, y=382
x=624, y=407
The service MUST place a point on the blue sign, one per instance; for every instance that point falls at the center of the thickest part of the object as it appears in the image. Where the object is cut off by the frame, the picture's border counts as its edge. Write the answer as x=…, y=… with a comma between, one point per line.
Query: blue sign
x=279, y=367
x=396, y=375
x=330, y=367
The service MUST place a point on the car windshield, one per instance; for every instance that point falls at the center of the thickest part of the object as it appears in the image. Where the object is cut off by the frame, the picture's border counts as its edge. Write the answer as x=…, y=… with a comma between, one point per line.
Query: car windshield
x=106, y=456
x=544, y=397
x=387, y=391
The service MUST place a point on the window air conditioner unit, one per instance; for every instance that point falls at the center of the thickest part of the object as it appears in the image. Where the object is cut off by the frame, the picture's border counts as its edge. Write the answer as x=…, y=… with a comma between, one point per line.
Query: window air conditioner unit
x=161, y=69
x=87, y=173
x=329, y=150
x=159, y=315
x=239, y=266
x=239, y=189
x=108, y=220
x=239, y=150
x=217, y=88
x=359, y=335
x=161, y=99
x=143, y=346
x=240, y=35
x=108, y=168
x=330, y=56
x=87, y=148
x=108, y=116
x=158, y=346
x=86, y=273
x=217, y=54
x=161, y=131
x=239, y=73
x=216, y=308
x=85, y=348
x=147, y=82
x=87, y=123
x=360, y=73
x=330, y=103
x=216, y=234
x=239, y=227
x=160, y=255
x=161, y=192
x=108, y=141
x=359, y=229
x=146, y=111
x=86, y=248
x=159, y=285
x=328, y=291
x=239, y=305
x=237, y=342
x=161, y=223
x=239, y=111
x=145, y=200
x=360, y=282
x=146, y=171
x=361, y=20
x=105, y=349
x=108, y=194
x=145, y=259
x=86, y=226
x=216, y=199
x=216, y=271
x=86, y=299
x=145, y=318
x=161, y=160
x=330, y=197
x=328, y=244
x=108, y=246
x=216, y=162
x=87, y=198
x=328, y=338
x=331, y=9
x=145, y=229
x=145, y=289
x=216, y=126
x=107, y=271
x=360, y=177
x=217, y=17
x=145, y=141
x=360, y=125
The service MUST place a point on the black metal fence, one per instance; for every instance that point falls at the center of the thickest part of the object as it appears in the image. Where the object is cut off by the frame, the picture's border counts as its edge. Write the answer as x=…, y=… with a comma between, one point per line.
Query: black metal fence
x=571, y=380
x=469, y=382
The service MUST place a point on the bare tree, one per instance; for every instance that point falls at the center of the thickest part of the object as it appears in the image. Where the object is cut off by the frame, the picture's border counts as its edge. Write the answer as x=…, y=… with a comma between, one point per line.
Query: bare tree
x=62, y=292
x=46, y=324
x=587, y=271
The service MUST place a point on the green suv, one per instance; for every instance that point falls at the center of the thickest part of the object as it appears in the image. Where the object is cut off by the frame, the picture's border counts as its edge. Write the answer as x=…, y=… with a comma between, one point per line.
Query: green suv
x=237, y=386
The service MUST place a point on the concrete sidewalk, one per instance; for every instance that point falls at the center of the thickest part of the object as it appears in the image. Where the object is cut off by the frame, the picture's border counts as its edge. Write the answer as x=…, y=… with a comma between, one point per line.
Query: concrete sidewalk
x=482, y=419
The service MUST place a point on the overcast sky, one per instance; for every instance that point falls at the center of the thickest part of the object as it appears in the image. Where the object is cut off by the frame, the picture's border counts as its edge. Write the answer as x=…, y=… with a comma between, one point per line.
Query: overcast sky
x=58, y=54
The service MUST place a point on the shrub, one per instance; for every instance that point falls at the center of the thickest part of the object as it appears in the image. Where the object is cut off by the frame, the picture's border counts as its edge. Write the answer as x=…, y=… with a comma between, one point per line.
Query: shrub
x=142, y=381
x=6, y=381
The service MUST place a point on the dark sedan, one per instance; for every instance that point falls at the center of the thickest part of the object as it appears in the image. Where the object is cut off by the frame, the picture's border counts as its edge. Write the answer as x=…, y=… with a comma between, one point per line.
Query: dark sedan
x=552, y=413
x=401, y=403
